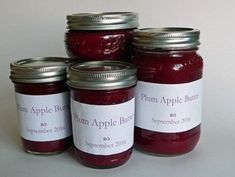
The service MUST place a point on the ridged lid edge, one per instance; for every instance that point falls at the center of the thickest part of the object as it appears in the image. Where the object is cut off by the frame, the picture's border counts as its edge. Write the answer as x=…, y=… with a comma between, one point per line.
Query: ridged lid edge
x=102, y=21
x=39, y=69
x=116, y=75
x=168, y=37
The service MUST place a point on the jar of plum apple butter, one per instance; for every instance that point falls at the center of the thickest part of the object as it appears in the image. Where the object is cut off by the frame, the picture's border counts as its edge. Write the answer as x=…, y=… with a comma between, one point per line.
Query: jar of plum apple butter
x=102, y=108
x=100, y=36
x=169, y=90
x=42, y=99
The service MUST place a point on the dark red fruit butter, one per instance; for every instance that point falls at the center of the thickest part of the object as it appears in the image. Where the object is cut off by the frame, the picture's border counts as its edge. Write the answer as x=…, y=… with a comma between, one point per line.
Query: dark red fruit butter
x=102, y=108
x=168, y=92
x=42, y=99
x=100, y=36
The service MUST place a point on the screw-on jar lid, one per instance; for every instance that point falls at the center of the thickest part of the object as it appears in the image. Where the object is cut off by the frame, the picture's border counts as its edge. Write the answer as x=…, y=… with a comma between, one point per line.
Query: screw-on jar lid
x=102, y=21
x=166, y=38
x=39, y=70
x=101, y=75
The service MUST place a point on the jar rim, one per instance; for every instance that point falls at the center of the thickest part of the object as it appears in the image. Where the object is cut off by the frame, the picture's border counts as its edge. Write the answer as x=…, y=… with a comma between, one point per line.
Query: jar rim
x=102, y=21
x=101, y=75
x=39, y=69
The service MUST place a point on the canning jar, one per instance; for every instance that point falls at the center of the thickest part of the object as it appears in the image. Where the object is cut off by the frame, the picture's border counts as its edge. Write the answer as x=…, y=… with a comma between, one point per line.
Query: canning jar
x=169, y=90
x=102, y=108
x=100, y=36
x=42, y=99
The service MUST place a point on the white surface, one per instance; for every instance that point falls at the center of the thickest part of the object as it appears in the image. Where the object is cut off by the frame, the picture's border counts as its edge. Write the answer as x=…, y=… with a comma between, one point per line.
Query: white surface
x=31, y=28
x=44, y=117
x=167, y=107
x=102, y=129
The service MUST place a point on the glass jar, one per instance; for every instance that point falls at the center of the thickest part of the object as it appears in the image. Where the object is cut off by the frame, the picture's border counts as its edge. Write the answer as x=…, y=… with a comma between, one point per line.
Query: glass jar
x=102, y=108
x=169, y=90
x=100, y=36
x=42, y=99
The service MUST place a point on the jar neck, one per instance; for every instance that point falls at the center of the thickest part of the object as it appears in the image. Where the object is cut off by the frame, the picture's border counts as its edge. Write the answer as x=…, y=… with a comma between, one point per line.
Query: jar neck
x=41, y=88
x=101, y=31
x=166, y=53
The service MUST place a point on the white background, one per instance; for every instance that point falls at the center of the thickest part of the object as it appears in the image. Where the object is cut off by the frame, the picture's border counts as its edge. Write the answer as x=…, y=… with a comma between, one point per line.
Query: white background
x=30, y=28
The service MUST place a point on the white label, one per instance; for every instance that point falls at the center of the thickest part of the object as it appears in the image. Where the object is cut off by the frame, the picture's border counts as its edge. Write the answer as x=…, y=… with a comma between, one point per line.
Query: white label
x=168, y=108
x=44, y=117
x=103, y=129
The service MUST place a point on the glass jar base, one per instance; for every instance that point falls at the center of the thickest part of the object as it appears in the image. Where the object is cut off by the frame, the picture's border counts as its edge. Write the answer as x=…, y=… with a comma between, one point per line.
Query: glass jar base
x=47, y=148
x=166, y=144
x=143, y=150
x=103, y=161
x=43, y=153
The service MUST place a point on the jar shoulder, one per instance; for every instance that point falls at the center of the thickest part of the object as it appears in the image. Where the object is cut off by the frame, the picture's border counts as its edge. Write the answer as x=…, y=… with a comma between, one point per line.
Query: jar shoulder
x=170, y=67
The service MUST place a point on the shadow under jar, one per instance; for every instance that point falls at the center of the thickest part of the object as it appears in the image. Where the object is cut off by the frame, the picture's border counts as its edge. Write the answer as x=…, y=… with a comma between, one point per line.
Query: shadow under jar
x=100, y=36
x=102, y=108
x=42, y=99
x=169, y=90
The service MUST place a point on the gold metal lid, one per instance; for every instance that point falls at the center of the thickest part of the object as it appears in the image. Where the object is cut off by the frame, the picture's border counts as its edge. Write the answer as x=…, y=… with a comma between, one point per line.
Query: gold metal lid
x=102, y=21
x=101, y=75
x=166, y=38
x=39, y=70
